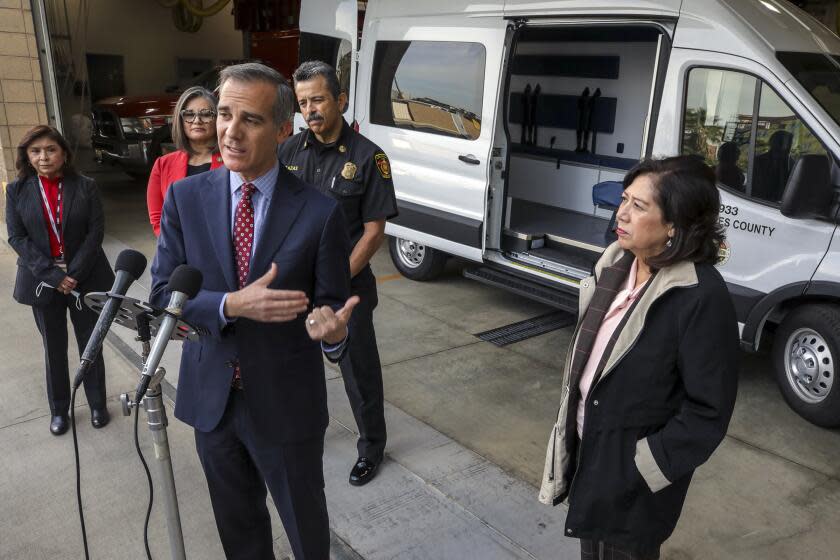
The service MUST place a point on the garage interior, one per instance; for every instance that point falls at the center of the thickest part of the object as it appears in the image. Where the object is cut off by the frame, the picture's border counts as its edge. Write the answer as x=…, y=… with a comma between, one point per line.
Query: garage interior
x=119, y=67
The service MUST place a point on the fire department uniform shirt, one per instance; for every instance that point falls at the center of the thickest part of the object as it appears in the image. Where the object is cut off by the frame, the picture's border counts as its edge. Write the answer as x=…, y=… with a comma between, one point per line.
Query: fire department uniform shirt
x=353, y=170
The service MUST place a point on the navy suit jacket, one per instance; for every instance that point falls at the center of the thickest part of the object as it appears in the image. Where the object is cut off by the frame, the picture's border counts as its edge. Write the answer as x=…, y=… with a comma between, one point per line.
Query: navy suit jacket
x=282, y=369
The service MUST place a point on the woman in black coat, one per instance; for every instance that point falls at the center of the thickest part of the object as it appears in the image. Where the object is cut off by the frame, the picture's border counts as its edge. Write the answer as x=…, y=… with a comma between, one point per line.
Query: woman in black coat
x=650, y=383
x=56, y=225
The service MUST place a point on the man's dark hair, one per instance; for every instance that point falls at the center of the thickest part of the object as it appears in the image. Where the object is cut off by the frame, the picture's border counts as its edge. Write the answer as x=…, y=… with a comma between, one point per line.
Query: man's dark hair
x=685, y=191
x=311, y=69
x=24, y=168
x=284, y=104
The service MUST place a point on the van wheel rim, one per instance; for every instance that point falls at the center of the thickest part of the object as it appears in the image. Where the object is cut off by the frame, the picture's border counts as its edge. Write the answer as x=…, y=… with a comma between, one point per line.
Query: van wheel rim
x=809, y=365
x=411, y=254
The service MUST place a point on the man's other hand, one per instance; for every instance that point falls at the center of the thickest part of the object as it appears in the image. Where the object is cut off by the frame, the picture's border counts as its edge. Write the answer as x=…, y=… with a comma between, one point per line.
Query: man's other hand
x=328, y=326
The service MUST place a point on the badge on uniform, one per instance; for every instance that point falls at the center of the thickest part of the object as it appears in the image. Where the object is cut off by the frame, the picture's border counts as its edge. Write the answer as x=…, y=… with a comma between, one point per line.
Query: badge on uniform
x=349, y=171
x=383, y=165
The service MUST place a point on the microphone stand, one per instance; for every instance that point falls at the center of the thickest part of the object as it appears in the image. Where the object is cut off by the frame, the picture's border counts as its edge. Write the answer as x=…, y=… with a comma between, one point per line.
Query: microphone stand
x=145, y=319
x=157, y=421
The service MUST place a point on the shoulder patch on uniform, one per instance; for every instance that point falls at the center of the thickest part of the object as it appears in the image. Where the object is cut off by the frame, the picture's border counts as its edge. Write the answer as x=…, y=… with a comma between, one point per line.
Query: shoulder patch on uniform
x=383, y=165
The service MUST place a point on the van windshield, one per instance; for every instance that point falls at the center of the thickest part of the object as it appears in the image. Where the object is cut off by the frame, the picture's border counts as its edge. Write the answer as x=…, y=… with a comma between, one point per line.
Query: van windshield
x=819, y=74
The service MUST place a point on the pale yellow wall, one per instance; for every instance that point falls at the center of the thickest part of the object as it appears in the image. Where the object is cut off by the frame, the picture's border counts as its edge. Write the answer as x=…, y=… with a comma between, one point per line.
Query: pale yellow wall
x=143, y=32
x=21, y=90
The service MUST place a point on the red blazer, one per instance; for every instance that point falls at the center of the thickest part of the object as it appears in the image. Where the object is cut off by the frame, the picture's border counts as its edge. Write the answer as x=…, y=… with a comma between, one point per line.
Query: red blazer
x=166, y=170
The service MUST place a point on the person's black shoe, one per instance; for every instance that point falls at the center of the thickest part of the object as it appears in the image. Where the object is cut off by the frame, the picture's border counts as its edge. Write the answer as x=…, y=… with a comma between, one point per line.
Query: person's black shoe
x=363, y=471
x=59, y=424
x=99, y=417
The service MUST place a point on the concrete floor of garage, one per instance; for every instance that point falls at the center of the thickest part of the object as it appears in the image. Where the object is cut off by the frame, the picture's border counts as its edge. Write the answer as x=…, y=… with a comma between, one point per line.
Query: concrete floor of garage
x=772, y=490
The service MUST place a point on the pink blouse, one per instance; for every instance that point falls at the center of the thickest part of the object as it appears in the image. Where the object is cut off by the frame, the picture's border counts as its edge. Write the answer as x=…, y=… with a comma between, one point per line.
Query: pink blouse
x=622, y=302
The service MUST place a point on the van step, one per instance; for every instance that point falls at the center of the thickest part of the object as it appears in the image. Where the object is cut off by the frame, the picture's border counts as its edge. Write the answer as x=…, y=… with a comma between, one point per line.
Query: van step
x=529, y=328
x=524, y=287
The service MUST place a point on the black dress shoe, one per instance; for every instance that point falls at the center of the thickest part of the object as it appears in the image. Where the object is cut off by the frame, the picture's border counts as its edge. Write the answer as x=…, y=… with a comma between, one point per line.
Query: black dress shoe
x=363, y=471
x=99, y=417
x=59, y=424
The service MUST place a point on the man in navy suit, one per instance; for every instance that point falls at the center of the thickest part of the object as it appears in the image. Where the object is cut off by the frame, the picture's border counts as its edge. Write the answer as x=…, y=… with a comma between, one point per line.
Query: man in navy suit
x=253, y=387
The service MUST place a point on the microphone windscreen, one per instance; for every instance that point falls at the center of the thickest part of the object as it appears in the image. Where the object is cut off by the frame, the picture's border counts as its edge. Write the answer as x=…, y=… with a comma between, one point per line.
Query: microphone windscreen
x=186, y=279
x=131, y=261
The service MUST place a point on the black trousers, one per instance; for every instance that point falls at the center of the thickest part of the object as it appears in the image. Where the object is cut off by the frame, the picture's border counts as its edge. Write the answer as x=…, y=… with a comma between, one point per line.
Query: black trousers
x=362, y=373
x=51, y=320
x=239, y=465
x=598, y=550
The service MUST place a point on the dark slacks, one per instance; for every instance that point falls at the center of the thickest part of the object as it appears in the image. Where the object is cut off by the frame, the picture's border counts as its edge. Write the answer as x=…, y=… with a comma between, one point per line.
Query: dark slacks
x=51, y=320
x=239, y=465
x=595, y=550
x=362, y=373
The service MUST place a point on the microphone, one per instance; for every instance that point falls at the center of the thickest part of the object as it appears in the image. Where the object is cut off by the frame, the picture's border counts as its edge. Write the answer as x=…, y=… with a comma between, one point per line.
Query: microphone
x=129, y=266
x=183, y=285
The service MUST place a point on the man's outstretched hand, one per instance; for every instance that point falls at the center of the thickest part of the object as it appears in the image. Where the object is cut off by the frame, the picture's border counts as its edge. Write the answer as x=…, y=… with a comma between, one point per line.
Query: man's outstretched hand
x=330, y=326
x=259, y=302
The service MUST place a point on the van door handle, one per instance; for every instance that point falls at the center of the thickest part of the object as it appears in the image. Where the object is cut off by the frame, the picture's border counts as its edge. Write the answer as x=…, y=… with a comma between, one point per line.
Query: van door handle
x=471, y=159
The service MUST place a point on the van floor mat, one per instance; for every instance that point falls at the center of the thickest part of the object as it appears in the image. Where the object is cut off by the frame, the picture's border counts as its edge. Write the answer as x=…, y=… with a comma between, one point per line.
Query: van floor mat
x=523, y=330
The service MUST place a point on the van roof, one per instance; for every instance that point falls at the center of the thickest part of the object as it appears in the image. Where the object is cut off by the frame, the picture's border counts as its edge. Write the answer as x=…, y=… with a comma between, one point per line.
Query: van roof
x=744, y=27
x=741, y=27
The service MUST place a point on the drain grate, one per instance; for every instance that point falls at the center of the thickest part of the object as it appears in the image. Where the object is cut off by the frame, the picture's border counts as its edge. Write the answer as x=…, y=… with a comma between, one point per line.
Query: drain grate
x=523, y=330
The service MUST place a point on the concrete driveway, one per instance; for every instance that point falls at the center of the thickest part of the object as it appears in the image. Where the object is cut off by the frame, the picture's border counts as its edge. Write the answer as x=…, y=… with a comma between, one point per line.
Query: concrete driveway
x=772, y=490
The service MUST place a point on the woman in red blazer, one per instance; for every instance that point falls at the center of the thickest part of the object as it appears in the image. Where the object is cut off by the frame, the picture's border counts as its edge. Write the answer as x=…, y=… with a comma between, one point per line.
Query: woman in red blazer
x=194, y=133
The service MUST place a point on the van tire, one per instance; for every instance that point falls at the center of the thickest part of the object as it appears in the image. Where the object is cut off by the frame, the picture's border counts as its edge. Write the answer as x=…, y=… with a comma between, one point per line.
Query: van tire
x=813, y=333
x=416, y=261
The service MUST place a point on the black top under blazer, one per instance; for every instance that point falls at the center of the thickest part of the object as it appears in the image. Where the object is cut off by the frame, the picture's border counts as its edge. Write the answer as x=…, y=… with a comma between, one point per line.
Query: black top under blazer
x=83, y=228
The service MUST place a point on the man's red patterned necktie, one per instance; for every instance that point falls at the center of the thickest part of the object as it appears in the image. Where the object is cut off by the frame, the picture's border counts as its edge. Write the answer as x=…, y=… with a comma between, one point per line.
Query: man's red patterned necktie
x=243, y=233
x=243, y=241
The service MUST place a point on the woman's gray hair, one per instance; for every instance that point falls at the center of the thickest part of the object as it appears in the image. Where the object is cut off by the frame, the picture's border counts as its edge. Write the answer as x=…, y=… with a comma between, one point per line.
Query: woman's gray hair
x=179, y=133
x=311, y=69
x=284, y=103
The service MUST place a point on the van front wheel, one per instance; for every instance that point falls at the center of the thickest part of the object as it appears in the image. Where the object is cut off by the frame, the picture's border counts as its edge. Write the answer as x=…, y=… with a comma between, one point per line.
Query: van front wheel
x=806, y=351
x=416, y=261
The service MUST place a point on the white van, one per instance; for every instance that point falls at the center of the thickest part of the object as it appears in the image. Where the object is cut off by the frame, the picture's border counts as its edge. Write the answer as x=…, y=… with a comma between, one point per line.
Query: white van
x=501, y=117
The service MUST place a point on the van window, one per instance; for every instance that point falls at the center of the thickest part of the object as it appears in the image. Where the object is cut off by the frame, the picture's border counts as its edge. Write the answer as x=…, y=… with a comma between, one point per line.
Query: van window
x=718, y=120
x=781, y=137
x=332, y=50
x=412, y=88
x=743, y=129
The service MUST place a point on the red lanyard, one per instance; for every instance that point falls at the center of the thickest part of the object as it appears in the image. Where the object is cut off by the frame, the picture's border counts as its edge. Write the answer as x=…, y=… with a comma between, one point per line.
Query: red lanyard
x=54, y=217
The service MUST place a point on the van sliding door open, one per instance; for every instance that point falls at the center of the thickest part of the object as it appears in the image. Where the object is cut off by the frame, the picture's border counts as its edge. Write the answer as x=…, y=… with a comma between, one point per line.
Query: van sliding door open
x=431, y=108
x=578, y=106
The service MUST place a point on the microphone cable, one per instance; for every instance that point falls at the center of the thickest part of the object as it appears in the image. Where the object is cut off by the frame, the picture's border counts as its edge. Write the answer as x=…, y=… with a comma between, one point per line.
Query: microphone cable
x=148, y=478
x=78, y=471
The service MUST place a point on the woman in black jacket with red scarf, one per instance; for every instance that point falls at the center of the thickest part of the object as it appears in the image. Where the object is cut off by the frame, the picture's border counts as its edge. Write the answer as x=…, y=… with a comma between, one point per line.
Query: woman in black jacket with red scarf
x=56, y=225
x=651, y=379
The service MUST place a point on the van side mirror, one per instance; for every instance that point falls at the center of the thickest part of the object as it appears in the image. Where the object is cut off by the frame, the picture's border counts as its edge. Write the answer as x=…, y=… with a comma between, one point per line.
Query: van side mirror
x=808, y=193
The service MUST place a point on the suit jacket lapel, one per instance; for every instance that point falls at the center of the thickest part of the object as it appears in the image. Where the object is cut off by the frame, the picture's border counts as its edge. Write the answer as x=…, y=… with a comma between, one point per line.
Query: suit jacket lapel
x=70, y=187
x=31, y=198
x=281, y=214
x=216, y=205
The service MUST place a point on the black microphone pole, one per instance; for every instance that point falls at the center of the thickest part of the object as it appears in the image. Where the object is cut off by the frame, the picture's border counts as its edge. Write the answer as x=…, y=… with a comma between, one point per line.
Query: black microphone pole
x=184, y=284
x=129, y=266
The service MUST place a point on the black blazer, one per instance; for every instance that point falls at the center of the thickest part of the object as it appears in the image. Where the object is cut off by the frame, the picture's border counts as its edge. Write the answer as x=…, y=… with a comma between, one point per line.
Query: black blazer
x=83, y=226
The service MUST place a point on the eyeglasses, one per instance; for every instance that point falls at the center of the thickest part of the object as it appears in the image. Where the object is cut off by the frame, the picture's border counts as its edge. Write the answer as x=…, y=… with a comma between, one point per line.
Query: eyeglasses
x=204, y=116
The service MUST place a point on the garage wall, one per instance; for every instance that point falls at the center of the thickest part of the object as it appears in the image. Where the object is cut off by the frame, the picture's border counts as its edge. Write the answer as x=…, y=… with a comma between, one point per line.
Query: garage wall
x=143, y=32
x=21, y=90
